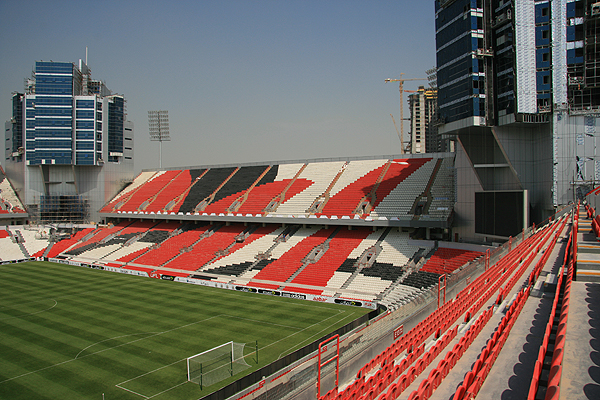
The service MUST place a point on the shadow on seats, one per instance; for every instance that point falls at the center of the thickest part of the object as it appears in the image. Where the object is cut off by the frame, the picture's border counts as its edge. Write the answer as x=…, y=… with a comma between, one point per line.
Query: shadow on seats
x=592, y=390
x=520, y=381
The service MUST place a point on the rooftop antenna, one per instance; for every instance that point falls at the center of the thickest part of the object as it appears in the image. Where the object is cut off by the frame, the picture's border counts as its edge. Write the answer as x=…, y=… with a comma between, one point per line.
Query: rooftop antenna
x=86, y=55
x=158, y=123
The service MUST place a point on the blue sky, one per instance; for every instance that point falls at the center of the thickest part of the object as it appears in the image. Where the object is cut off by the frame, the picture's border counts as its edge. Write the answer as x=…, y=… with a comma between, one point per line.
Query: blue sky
x=243, y=81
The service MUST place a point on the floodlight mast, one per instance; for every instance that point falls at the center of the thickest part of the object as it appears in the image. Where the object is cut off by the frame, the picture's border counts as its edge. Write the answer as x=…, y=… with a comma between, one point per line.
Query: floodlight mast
x=158, y=123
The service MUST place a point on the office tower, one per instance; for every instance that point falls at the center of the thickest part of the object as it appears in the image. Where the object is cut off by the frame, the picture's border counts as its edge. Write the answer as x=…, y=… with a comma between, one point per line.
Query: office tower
x=69, y=145
x=517, y=89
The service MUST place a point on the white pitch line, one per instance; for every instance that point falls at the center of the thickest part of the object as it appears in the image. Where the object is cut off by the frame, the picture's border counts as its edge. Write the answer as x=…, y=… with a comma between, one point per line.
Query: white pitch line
x=171, y=388
x=112, y=338
x=33, y=313
x=313, y=335
x=131, y=391
x=149, y=372
x=262, y=322
x=101, y=351
x=295, y=333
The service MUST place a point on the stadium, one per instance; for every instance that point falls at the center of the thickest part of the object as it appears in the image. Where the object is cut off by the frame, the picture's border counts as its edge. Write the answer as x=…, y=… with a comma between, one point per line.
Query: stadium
x=443, y=272
x=399, y=313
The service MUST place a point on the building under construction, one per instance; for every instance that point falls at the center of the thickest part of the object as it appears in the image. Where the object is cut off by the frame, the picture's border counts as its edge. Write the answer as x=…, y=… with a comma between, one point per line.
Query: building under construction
x=519, y=91
x=424, y=135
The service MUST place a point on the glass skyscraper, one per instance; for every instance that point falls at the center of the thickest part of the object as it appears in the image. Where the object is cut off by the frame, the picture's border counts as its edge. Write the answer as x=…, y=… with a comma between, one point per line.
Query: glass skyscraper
x=519, y=91
x=75, y=129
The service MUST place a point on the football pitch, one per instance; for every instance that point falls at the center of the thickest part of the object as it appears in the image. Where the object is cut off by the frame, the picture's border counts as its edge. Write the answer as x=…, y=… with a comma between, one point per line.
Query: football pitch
x=69, y=332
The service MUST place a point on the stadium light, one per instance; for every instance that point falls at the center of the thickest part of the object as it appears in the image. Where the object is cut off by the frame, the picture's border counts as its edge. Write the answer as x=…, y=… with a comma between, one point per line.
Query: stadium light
x=158, y=123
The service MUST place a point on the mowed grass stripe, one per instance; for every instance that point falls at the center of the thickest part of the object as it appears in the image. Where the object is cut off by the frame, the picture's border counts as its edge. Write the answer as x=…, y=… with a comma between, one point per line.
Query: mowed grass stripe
x=39, y=338
x=123, y=328
x=17, y=391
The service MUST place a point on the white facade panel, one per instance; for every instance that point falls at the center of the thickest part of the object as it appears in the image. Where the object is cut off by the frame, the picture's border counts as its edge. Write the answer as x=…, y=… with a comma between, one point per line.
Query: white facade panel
x=559, y=51
x=525, y=56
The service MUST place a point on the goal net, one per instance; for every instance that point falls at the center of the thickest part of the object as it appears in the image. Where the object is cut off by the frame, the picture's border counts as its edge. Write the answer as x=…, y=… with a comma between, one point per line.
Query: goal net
x=216, y=364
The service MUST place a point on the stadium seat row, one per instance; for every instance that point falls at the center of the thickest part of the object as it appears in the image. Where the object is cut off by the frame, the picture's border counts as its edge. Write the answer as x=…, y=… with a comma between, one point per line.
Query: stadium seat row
x=438, y=322
x=563, y=287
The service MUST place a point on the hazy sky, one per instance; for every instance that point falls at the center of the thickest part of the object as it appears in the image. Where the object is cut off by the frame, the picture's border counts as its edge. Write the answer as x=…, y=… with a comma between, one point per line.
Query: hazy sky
x=243, y=81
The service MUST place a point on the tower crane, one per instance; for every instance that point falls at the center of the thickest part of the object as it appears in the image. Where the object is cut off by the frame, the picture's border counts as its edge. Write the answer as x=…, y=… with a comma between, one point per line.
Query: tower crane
x=401, y=87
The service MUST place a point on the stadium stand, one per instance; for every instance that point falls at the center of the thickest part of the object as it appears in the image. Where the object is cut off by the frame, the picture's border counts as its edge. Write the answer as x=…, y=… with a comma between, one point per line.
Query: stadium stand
x=237, y=263
x=124, y=195
x=446, y=260
x=290, y=258
x=10, y=247
x=178, y=184
x=55, y=249
x=97, y=239
x=33, y=240
x=448, y=353
x=357, y=180
x=238, y=185
x=321, y=175
x=402, y=191
x=392, y=188
x=163, y=252
x=397, y=368
x=216, y=244
x=9, y=201
x=329, y=257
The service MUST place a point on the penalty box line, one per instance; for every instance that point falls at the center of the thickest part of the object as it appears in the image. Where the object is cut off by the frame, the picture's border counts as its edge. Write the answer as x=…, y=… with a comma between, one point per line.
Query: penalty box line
x=148, y=373
x=183, y=359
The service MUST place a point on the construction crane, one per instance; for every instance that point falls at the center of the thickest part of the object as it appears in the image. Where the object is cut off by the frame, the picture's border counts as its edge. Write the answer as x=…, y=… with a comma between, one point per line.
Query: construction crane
x=403, y=149
x=401, y=86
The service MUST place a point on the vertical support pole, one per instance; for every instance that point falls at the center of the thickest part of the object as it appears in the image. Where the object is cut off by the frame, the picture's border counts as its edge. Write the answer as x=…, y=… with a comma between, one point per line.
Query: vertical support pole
x=441, y=289
x=320, y=365
x=487, y=259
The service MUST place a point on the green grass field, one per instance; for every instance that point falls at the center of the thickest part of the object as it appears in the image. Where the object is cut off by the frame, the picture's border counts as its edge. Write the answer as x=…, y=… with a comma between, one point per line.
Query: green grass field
x=75, y=333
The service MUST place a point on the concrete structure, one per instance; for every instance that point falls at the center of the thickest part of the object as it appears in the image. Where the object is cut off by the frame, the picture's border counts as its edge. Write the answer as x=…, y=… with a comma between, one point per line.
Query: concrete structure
x=517, y=88
x=423, y=130
x=69, y=146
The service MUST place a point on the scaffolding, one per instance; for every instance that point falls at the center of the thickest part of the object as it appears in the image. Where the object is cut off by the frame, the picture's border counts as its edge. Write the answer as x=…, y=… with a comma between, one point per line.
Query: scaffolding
x=63, y=208
x=584, y=66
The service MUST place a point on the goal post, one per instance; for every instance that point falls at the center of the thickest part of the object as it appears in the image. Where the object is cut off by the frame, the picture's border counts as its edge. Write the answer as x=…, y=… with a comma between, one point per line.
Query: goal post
x=216, y=364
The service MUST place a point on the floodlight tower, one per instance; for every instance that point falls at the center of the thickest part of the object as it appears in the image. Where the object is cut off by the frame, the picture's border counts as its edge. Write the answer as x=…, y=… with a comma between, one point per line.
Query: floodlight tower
x=158, y=123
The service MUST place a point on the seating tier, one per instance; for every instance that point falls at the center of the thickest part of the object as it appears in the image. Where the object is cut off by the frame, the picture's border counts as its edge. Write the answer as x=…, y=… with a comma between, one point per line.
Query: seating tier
x=399, y=193
x=139, y=181
x=206, y=249
x=321, y=175
x=177, y=185
x=338, y=185
x=283, y=267
x=446, y=260
x=170, y=248
x=345, y=199
x=9, y=201
x=320, y=272
x=244, y=253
